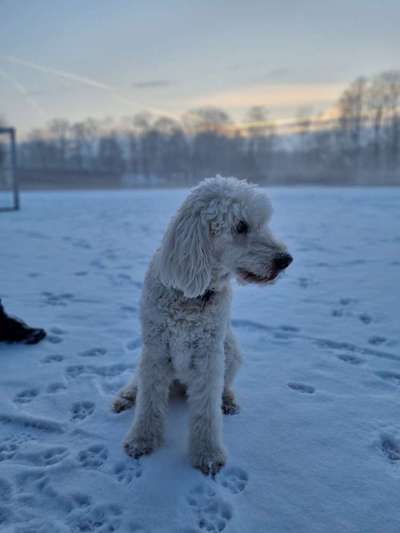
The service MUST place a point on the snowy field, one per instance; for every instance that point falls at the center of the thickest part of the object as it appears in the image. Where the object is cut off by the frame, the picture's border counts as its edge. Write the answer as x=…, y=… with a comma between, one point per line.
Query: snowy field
x=316, y=447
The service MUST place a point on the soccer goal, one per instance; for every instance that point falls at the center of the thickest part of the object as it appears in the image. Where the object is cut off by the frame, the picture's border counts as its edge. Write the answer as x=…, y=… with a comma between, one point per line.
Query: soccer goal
x=9, y=194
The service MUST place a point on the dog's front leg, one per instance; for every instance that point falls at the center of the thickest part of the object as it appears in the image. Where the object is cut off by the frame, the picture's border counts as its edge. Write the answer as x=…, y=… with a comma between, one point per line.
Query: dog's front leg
x=233, y=360
x=204, y=393
x=153, y=382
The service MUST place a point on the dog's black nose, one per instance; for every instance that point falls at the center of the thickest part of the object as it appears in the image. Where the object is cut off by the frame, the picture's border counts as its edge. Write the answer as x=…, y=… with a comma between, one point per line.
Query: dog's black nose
x=282, y=261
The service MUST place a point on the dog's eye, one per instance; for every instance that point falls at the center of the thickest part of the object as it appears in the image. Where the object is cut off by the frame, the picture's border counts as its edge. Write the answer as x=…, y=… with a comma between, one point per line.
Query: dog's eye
x=242, y=227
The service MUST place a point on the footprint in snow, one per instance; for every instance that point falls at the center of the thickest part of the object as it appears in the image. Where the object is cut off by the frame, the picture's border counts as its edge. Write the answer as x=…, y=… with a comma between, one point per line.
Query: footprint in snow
x=8, y=448
x=93, y=352
x=110, y=371
x=301, y=387
x=93, y=457
x=346, y=301
x=81, y=273
x=47, y=457
x=376, y=340
x=128, y=471
x=365, y=318
x=6, y=516
x=212, y=513
x=54, y=339
x=390, y=447
x=351, y=359
x=53, y=388
x=82, y=410
x=100, y=518
x=57, y=331
x=390, y=377
x=26, y=396
x=233, y=479
x=54, y=358
x=6, y=491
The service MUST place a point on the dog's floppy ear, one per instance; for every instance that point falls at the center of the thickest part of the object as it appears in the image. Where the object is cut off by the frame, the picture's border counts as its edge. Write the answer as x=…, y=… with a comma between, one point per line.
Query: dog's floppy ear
x=184, y=257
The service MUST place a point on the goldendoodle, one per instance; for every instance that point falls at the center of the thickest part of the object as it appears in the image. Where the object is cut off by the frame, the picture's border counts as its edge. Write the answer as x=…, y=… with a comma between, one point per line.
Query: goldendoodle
x=220, y=231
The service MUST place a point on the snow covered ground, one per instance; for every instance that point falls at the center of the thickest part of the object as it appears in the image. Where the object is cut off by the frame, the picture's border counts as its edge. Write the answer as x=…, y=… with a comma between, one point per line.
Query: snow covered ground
x=316, y=447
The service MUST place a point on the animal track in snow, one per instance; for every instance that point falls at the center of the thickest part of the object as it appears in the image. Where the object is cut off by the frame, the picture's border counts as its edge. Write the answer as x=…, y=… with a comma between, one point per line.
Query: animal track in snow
x=100, y=518
x=110, y=371
x=53, y=388
x=301, y=387
x=365, y=318
x=81, y=410
x=60, y=300
x=211, y=511
x=127, y=471
x=47, y=457
x=8, y=448
x=36, y=491
x=81, y=273
x=347, y=301
x=326, y=344
x=54, y=358
x=5, y=515
x=376, y=340
x=6, y=491
x=31, y=423
x=390, y=447
x=93, y=352
x=57, y=331
x=234, y=479
x=304, y=283
x=351, y=359
x=54, y=339
x=391, y=377
x=26, y=396
x=94, y=456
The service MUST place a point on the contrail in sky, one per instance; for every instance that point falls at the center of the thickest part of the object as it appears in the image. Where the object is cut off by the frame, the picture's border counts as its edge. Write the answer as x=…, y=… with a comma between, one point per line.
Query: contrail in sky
x=23, y=92
x=83, y=80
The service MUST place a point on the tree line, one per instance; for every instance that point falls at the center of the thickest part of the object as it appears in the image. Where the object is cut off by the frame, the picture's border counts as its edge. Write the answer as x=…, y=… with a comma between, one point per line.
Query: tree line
x=359, y=143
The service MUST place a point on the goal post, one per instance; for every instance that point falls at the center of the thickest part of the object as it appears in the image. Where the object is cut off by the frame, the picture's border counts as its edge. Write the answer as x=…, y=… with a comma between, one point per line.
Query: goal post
x=9, y=192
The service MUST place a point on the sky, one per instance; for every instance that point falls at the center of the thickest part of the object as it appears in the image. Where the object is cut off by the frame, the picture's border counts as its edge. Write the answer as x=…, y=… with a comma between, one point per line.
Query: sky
x=101, y=58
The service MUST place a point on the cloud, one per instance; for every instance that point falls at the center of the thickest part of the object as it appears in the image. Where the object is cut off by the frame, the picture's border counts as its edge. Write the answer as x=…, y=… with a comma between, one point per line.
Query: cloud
x=151, y=84
x=306, y=75
x=277, y=75
x=273, y=96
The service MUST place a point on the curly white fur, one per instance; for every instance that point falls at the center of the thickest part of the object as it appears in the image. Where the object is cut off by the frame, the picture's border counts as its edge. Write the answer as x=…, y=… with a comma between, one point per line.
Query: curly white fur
x=219, y=231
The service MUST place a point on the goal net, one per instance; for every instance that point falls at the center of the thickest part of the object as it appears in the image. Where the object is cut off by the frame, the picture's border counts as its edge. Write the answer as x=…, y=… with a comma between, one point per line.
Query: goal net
x=9, y=197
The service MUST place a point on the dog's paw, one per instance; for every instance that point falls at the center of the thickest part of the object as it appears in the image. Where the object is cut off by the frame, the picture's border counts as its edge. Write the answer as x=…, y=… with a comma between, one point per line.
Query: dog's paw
x=230, y=407
x=121, y=404
x=137, y=445
x=209, y=461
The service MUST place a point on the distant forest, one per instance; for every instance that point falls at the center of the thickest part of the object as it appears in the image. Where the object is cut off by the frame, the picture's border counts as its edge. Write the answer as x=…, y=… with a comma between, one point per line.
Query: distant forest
x=360, y=144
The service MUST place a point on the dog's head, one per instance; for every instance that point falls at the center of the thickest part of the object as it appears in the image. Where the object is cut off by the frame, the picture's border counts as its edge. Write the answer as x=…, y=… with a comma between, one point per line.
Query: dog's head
x=221, y=228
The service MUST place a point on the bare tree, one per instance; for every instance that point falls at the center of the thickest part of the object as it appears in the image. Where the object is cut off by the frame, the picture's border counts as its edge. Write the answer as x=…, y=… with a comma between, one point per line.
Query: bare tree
x=82, y=145
x=261, y=141
x=2, y=147
x=352, y=115
x=110, y=154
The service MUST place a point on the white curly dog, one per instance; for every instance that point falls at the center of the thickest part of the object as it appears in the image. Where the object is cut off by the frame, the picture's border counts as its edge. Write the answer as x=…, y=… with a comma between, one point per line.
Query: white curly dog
x=220, y=231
